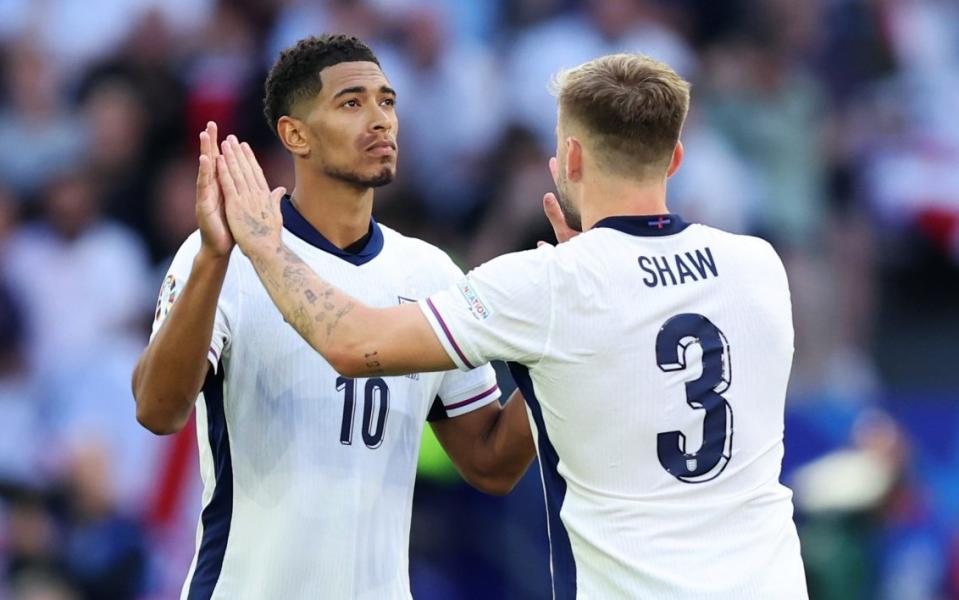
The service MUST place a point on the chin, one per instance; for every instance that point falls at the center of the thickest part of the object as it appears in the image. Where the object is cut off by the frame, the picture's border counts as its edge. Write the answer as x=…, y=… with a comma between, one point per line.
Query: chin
x=385, y=177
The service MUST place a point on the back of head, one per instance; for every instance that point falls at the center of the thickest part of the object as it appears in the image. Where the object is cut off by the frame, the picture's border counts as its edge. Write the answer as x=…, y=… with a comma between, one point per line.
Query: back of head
x=629, y=108
x=295, y=75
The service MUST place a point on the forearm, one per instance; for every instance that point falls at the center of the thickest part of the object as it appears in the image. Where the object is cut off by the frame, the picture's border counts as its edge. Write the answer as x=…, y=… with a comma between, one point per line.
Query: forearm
x=508, y=447
x=334, y=323
x=491, y=447
x=171, y=370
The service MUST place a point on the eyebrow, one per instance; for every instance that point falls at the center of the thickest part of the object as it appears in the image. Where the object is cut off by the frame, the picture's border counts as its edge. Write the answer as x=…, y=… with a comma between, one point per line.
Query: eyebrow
x=359, y=89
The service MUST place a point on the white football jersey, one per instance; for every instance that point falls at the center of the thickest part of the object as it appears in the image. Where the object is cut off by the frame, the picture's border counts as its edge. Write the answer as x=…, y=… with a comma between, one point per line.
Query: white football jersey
x=654, y=357
x=308, y=476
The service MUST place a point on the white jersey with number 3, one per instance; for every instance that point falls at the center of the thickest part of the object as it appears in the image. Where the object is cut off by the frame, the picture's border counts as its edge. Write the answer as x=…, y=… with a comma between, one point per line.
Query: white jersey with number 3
x=654, y=357
x=308, y=476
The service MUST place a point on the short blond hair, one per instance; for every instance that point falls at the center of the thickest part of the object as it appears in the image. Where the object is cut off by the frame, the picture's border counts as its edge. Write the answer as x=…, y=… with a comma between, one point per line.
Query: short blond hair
x=632, y=108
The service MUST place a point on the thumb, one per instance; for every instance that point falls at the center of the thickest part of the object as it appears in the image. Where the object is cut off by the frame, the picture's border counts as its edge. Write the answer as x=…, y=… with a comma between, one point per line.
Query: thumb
x=277, y=195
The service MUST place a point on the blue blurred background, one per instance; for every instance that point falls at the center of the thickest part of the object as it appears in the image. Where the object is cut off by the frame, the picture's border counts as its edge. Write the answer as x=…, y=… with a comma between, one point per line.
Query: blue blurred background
x=829, y=127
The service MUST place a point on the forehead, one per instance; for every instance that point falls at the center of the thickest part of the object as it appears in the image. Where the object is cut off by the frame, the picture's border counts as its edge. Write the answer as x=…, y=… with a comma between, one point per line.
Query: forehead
x=351, y=74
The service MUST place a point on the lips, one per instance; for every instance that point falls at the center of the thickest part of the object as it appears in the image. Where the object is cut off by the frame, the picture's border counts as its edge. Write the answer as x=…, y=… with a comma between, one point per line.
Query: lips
x=382, y=148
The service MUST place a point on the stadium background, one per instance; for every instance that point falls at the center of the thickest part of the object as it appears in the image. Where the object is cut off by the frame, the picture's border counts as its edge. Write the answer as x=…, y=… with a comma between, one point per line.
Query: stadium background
x=826, y=126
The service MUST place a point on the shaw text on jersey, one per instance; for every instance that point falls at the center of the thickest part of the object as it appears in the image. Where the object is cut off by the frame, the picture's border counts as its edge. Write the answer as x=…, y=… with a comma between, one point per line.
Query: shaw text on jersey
x=680, y=269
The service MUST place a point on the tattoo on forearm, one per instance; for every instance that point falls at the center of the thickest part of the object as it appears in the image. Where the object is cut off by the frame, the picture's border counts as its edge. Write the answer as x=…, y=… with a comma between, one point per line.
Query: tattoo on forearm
x=330, y=327
x=305, y=300
x=373, y=363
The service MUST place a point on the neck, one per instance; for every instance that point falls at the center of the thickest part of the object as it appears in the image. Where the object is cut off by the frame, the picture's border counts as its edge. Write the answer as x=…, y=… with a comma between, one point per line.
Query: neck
x=621, y=198
x=340, y=211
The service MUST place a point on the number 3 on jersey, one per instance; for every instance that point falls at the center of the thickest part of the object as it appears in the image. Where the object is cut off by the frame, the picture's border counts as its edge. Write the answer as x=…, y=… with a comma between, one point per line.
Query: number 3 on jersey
x=376, y=406
x=705, y=393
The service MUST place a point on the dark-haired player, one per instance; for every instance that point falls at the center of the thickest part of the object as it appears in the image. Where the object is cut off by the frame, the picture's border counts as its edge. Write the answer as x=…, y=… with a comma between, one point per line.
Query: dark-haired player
x=654, y=354
x=308, y=476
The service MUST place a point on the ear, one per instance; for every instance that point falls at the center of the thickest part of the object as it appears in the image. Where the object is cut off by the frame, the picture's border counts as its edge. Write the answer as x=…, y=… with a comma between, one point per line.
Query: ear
x=292, y=135
x=678, y=153
x=574, y=159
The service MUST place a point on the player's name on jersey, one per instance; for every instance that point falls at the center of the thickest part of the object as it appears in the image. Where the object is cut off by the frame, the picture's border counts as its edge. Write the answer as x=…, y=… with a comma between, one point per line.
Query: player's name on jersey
x=678, y=269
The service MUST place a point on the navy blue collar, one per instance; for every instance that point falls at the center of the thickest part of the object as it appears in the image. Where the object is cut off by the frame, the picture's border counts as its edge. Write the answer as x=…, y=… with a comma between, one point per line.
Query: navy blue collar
x=645, y=225
x=301, y=228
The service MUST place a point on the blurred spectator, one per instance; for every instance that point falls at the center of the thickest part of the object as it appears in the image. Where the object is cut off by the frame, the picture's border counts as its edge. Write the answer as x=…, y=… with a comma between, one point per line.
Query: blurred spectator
x=83, y=309
x=174, y=216
x=569, y=39
x=117, y=120
x=40, y=137
x=827, y=127
x=105, y=550
x=93, y=286
x=450, y=111
x=33, y=560
x=21, y=446
x=512, y=218
x=226, y=63
x=865, y=524
x=714, y=184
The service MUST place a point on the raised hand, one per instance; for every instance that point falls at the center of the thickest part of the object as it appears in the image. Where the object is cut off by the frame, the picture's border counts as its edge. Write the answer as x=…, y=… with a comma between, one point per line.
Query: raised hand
x=210, y=215
x=554, y=214
x=557, y=220
x=252, y=210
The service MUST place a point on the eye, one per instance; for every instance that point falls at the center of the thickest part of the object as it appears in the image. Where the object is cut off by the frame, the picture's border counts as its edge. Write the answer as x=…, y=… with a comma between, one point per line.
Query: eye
x=352, y=103
x=389, y=101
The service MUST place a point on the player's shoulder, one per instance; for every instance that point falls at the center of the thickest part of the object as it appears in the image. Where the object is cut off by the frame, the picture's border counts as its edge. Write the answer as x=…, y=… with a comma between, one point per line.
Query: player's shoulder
x=534, y=266
x=750, y=253
x=190, y=247
x=407, y=248
x=750, y=244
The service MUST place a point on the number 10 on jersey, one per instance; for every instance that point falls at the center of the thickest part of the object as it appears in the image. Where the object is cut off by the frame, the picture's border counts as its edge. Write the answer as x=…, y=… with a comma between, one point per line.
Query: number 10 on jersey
x=376, y=405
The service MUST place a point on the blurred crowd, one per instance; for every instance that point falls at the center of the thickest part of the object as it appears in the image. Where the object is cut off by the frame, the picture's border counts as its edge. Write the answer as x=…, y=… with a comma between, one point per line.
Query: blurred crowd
x=826, y=126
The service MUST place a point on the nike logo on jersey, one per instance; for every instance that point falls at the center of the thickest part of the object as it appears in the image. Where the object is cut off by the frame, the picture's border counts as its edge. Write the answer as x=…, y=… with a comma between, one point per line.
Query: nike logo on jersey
x=679, y=268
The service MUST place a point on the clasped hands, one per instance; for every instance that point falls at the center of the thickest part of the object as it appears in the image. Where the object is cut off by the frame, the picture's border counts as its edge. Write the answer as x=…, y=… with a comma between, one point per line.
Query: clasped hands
x=236, y=205
x=234, y=202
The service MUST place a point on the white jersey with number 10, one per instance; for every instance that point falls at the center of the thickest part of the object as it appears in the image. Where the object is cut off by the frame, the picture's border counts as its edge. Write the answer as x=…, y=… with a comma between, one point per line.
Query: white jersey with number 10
x=308, y=476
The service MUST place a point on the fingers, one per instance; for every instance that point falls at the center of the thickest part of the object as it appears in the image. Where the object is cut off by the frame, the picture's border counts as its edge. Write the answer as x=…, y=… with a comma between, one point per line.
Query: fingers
x=205, y=142
x=211, y=130
x=224, y=175
x=232, y=160
x=254, y=166
x=554, y=213
x=245, y=174
x=204, y=174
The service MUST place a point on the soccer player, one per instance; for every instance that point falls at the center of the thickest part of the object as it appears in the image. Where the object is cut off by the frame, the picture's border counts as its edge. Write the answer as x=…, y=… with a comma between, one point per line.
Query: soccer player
x=308, y=475
x=653, y=353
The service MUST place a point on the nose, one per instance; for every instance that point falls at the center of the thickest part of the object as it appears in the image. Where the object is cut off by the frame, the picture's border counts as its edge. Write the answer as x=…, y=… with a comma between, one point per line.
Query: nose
x=381, y=120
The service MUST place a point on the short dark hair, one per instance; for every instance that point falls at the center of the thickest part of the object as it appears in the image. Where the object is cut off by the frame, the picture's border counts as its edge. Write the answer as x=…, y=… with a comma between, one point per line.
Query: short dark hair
x=296, y=73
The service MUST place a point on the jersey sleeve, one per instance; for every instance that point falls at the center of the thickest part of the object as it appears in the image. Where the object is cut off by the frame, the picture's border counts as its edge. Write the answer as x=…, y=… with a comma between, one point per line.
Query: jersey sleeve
x=173, y=284
x=463, y=392
x=501, y=310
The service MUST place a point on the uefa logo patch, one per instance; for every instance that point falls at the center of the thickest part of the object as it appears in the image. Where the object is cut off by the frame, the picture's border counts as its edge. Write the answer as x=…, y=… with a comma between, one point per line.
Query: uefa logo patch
x=168, y=294
x=477, y=307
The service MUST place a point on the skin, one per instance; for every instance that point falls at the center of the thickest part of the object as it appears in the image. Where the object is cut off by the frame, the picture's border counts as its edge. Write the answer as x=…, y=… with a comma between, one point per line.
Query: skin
x=343, y=143
x=359, y=340
x=171, y=370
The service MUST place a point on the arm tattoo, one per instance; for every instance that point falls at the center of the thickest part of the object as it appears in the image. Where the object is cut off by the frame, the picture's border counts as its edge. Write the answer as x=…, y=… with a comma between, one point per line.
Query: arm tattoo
x=304, y=300
x=330, y=327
